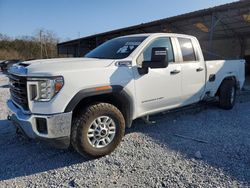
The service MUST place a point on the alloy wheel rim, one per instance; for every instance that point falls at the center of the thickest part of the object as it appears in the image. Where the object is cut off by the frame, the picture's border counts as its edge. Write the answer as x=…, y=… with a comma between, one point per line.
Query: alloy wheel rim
x=101, y=132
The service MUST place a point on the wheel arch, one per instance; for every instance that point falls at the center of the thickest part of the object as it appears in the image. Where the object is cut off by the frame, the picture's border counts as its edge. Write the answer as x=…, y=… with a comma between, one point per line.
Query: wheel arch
x=115, y=95
x=231, y=77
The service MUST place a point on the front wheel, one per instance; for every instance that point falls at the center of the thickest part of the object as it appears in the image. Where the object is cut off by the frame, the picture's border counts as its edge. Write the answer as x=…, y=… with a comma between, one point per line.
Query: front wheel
x=97, y=130
x=227, y=94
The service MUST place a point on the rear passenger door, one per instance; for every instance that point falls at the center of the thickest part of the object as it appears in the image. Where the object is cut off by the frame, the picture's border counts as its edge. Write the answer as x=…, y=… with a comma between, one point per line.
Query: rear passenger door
x=193, y=71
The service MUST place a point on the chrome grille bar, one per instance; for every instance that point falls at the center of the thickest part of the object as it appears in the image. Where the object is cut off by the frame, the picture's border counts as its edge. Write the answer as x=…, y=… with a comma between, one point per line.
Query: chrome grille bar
x=18, y=90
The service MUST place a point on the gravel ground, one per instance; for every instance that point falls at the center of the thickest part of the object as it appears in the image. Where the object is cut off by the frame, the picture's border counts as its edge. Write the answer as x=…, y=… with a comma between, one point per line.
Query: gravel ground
x=203, y=147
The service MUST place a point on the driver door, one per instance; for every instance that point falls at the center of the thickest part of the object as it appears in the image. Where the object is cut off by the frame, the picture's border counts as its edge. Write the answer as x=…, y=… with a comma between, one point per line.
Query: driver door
x=160, y=88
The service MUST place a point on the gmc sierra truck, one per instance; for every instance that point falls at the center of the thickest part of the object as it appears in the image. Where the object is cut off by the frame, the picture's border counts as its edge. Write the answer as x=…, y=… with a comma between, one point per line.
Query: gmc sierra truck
x=88, y=102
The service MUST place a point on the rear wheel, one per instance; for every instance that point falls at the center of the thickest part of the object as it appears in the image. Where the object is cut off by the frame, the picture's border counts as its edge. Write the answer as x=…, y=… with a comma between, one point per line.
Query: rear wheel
x=227, y=94
x=97, y=130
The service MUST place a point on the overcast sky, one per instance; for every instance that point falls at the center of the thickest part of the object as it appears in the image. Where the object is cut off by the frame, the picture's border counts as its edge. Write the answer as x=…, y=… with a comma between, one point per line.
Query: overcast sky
x=70, y=19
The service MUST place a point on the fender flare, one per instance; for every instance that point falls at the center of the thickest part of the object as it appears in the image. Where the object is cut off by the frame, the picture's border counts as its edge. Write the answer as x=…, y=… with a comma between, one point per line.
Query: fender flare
x=228, y=77
x=116, y=89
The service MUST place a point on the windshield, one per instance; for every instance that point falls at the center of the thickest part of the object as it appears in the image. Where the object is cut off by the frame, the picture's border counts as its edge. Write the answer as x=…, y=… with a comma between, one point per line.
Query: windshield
x=117, y=48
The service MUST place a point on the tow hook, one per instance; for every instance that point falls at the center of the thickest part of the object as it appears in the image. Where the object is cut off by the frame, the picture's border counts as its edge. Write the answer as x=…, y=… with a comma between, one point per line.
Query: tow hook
x=9, y=117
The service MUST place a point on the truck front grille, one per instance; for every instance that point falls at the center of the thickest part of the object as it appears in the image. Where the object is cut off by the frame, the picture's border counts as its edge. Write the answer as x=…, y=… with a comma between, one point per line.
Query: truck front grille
x=18, y=90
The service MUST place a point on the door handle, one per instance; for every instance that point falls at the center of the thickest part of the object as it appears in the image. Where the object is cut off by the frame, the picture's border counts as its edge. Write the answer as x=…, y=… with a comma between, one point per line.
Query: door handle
x=199, y=69
x=175, y=71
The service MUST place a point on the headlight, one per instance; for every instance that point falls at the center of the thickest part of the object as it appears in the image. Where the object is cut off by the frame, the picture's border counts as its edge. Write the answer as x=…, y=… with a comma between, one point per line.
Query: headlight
x=44, y=89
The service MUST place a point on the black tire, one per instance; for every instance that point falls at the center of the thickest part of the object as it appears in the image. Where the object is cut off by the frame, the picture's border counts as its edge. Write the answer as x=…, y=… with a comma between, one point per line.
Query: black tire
x=227, y=94
x=82, y=123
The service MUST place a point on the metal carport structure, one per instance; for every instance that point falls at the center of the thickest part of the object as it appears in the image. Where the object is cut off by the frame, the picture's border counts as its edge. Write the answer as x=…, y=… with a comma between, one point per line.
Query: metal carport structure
x=223, y=31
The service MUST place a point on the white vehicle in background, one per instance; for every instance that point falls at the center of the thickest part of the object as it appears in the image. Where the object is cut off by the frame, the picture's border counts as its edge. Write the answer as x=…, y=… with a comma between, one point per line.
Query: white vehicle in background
x=88, y=102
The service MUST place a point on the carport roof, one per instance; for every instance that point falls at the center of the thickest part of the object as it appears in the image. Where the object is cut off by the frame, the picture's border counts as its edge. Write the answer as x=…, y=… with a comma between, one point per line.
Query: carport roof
x=225, y=21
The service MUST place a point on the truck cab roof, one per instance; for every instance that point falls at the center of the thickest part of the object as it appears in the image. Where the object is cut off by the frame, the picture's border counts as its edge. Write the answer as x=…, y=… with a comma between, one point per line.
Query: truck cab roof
x=158, y=34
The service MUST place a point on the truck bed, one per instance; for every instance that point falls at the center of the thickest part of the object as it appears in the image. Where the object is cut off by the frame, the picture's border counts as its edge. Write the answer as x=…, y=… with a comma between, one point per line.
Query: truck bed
x=220, y=68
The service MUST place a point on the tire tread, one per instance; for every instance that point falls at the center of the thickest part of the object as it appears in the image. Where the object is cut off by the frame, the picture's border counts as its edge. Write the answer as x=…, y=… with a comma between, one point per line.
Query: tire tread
x=82, y=118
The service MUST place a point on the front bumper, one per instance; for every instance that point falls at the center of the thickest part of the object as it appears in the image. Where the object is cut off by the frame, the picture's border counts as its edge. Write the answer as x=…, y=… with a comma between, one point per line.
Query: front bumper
x=54, y=128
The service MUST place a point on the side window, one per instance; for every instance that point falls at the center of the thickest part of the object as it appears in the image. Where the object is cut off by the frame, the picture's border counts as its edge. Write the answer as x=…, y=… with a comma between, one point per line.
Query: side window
x=160, y=42
x=187, y=49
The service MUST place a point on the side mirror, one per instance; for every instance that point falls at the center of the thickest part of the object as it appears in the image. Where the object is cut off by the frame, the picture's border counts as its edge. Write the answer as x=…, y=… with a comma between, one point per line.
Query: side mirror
x=159, y=58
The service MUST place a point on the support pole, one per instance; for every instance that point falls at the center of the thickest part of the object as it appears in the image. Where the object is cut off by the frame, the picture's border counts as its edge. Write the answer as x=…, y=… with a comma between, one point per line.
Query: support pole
x=41, y=44
x=211, y=33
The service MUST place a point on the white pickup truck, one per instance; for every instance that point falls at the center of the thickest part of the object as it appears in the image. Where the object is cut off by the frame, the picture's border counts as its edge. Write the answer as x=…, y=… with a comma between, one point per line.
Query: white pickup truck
x=88, y=102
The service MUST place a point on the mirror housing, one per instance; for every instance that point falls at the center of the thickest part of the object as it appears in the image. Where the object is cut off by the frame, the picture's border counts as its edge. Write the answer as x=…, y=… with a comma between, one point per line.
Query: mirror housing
x=159, y=59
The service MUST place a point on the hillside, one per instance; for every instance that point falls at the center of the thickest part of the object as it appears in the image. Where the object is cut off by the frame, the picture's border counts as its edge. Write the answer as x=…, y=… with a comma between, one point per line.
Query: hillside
x=28, y=47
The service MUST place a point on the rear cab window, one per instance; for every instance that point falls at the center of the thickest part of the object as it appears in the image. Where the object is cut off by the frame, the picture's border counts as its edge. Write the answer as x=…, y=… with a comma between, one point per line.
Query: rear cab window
x=187, y=49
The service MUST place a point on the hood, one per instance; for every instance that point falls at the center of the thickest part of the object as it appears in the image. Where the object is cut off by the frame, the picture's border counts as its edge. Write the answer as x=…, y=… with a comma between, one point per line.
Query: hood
x=52, y=67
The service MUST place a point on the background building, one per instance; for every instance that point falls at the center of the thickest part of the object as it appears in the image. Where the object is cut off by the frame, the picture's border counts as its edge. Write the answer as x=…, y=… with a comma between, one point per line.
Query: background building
x=223, y=31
